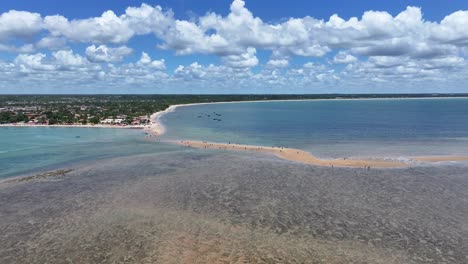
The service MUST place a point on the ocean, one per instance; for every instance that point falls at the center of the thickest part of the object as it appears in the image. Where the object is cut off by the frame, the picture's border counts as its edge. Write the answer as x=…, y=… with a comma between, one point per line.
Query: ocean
x=380, y=128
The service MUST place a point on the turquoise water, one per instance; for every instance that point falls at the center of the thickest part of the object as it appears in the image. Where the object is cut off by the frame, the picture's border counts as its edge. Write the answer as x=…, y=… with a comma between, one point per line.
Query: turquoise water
x=332, y=128
x=28, y=149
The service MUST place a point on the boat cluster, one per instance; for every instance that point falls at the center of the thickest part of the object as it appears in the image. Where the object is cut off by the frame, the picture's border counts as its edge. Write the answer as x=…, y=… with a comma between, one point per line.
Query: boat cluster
x=214, y=116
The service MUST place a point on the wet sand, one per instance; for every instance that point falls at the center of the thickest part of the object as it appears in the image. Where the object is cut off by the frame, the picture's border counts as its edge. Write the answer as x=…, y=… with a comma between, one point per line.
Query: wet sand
x=306, y=157
x=193, y=206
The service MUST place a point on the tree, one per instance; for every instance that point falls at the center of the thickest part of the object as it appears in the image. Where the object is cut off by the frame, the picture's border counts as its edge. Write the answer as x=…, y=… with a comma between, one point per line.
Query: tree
x=52, y=121
x=128, y=120
x=94, y=120
x=5, y=117
x=21, y=117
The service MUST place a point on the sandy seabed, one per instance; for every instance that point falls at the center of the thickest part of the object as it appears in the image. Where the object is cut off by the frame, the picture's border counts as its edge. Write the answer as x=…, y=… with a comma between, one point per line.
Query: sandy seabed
x=216, y=206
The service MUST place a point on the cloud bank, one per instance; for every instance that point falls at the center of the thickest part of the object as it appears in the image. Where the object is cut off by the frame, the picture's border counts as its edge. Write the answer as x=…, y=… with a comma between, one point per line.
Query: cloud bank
x=374, y=52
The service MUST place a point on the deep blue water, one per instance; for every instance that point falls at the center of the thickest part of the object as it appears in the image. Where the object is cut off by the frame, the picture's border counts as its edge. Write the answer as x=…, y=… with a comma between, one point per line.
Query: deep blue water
x=332, y=128
x=29, y=149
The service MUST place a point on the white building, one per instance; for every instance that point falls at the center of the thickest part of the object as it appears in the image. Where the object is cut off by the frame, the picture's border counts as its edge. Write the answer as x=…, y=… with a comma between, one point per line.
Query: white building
x=112, y=121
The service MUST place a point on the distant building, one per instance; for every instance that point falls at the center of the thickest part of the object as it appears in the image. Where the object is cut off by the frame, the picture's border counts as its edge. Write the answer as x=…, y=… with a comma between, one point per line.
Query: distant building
x=31, y=115
x=112, y=121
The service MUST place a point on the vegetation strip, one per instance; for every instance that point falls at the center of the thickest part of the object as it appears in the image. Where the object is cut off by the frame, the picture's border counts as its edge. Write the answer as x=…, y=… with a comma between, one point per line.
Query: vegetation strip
x=56, y=173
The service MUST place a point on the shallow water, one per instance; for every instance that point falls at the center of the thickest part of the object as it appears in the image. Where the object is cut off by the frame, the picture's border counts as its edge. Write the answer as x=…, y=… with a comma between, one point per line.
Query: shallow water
x=332, y=128
x=27, y=149
x=212, y=206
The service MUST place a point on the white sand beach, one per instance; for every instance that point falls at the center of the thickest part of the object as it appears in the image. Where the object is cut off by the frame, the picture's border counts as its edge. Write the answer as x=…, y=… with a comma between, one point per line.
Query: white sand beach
x=77, y=125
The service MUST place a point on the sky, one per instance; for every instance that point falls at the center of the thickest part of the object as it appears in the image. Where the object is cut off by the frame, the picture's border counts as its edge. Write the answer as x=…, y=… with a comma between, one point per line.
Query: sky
x=233, y=46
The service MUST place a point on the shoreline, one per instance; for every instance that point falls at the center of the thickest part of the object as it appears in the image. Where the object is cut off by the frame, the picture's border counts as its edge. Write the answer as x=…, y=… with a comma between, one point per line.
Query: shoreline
x=305, y=157
x=156, y=127
x=74, y=126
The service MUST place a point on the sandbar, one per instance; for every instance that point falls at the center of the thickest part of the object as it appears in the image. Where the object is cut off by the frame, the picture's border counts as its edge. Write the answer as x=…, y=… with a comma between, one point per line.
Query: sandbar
x=302, y=156
x=297, y=155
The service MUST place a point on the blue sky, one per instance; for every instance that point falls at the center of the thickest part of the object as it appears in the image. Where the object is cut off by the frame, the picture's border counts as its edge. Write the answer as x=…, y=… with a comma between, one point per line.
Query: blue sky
x=233, y=46
x=272, y=11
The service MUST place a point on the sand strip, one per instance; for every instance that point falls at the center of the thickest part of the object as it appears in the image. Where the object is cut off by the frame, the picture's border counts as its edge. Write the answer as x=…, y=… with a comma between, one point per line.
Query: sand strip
x=306, y=157
x=297, y=155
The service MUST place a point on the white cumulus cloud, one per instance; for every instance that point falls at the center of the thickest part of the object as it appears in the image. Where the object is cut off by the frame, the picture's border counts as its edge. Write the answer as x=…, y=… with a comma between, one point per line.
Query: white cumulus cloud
x=344, y=58
x=390, y=48
x=278, y=63
x=102, y=53
x=146, y=61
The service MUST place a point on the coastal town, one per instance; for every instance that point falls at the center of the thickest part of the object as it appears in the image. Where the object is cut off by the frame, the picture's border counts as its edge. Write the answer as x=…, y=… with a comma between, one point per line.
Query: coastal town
x=36, y=116
x=90, y=111
x=27, y=116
